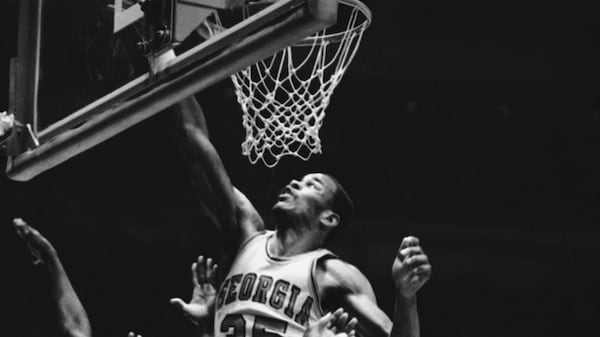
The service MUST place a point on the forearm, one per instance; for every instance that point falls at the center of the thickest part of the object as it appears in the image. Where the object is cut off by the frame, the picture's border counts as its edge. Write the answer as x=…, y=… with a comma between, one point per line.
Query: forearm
x=73, y=319
x=209, y=177
x=406, y=318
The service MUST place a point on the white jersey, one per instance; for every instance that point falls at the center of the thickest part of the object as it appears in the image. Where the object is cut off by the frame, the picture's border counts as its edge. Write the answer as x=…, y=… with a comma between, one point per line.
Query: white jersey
x=267, y=296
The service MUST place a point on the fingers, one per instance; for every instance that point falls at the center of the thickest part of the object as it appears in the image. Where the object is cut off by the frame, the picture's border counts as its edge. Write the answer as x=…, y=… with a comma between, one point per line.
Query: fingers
x=208, y=265
x=340, y=322
x=411, y=268
x=325, y=321
x=32, y=237
x=19, y=222
x=335, y=323
x=178, y=303
x=415, y=261
x=351, y=326
x=28, y=233
x=410, y=251
x=204, y=271
x=201, y=270
x=409, y=241
x=211, y=271
x=421, y=273
x=21, y=226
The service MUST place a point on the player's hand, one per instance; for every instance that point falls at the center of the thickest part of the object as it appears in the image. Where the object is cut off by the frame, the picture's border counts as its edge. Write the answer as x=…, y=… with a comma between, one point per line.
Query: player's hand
x=411, y=268
x=336, y=324
x=132, y=334
x=41, y=249
x=160, y=62
x=7, y=122
x=198, y=310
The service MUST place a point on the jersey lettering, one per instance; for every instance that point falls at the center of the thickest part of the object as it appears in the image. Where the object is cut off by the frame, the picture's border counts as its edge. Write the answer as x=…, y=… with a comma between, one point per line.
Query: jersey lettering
x=280, y=295
x=264, y=284
x=279, y=292
x=231, y=294
x=247, y=286
x=289, y=310
x=304, y=314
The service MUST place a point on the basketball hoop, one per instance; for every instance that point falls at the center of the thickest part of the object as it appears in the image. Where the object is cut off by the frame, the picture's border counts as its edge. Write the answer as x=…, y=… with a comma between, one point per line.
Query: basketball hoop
x=284, y=97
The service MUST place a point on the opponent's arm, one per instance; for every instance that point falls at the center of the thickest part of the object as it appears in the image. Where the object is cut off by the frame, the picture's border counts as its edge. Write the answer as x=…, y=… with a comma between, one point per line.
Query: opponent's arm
x=200, y=309
x=73, y=320
x=344, y=285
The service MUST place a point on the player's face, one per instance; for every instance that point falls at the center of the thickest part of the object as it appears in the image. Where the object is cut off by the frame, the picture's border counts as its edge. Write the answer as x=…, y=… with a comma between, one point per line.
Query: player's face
x=307, y=197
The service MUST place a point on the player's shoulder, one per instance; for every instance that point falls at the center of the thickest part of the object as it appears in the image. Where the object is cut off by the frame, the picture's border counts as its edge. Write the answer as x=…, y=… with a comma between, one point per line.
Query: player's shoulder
x=255, y=237
x=336, y=274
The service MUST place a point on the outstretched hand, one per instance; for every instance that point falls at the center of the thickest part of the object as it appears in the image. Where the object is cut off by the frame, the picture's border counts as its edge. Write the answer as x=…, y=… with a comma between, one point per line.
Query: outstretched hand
x=199, y=309
x=41, y=249
x=411, y=268
x=336, y=324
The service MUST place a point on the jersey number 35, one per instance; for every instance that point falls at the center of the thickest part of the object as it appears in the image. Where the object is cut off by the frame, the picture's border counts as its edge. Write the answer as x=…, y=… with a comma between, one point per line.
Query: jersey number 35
x=263, y=326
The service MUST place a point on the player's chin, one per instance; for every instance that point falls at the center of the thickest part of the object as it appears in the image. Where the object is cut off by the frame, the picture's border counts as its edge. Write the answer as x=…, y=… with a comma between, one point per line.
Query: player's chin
x=280, y=205
x=281, y=208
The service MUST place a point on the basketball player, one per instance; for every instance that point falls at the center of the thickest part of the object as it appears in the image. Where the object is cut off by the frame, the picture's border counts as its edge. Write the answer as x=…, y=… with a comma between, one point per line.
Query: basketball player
x=334, y=324
x=279, y=282
x=73, y=319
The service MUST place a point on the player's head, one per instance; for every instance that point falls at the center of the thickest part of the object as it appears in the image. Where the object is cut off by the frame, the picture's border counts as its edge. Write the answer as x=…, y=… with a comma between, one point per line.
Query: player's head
x=317, y=201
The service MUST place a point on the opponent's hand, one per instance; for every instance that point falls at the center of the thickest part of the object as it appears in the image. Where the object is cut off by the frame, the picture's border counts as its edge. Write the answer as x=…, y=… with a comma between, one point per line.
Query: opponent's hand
x=411, y=268
x=41, y=249
x=7, y=122
x=334, y=324
x=198, y=310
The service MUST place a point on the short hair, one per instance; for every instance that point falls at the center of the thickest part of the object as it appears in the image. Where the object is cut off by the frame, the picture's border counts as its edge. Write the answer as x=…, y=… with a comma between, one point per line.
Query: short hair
x=342, y=205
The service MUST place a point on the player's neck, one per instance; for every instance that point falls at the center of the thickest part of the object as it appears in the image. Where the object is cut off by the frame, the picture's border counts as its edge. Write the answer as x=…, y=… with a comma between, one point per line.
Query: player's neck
x=289, y=242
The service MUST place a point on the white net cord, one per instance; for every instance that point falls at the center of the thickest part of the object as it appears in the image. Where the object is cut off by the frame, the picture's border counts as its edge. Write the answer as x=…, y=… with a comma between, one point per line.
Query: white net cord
x=284, y=97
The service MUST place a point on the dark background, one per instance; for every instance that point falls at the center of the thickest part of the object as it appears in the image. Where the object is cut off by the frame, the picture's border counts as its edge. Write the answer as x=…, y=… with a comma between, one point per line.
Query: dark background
x=473, y=126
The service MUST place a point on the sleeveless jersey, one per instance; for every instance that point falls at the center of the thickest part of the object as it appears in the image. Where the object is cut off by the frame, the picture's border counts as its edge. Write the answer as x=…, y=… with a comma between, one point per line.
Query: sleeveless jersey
x=267, y=296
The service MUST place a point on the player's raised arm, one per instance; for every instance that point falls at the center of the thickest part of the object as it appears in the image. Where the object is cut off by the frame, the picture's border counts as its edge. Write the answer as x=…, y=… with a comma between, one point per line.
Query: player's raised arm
x=73, y=320
x=236, y=215
x=342, y=284
x=209, y=177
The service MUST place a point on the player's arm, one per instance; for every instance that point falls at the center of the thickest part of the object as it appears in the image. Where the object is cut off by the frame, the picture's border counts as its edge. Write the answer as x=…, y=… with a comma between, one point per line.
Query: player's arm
x=73, y=320
x=209, y=177
x=344, y=285
x=237, y=218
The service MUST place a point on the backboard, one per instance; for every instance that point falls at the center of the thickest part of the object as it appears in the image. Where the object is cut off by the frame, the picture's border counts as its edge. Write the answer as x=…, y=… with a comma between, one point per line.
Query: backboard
x=82, y=75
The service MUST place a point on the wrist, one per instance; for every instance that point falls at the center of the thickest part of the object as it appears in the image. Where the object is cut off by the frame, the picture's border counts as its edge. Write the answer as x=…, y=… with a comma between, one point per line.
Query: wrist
x=405, y=300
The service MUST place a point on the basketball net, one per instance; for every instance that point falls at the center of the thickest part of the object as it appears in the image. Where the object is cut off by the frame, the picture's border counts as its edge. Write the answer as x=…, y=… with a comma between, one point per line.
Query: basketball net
x=284, y=97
